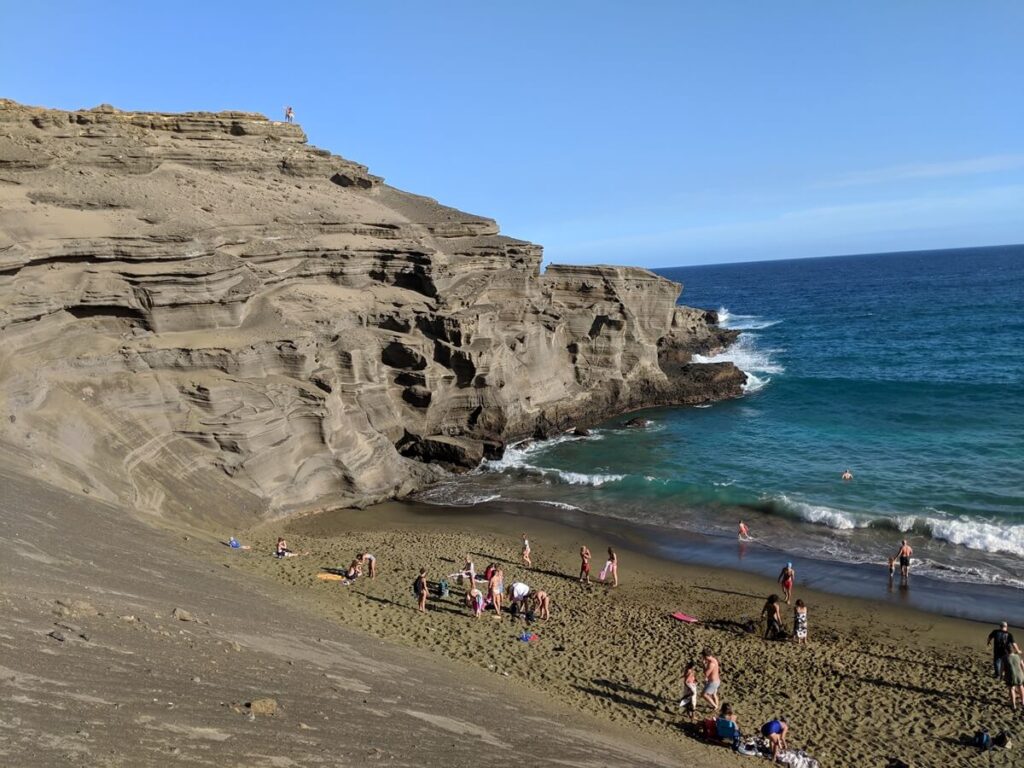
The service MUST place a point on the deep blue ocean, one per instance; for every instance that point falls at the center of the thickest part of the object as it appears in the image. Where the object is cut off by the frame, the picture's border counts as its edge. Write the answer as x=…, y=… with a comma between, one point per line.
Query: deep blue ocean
x=907, y=369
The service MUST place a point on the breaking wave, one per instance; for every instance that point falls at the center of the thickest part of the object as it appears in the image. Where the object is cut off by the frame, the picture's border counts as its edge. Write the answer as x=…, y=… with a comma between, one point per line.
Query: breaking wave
x=727, y=319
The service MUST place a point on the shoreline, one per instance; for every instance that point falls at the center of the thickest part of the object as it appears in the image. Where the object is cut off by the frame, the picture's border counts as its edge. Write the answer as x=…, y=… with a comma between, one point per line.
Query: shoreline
x=877, y=680
x=963, y=600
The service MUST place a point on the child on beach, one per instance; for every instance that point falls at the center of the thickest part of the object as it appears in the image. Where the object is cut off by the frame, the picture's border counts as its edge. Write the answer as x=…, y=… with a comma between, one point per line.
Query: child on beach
x=892, y=569
x=584, y=565
x=744, y=534
x=475, y=601
x=526, y=552
x=800, y=623
x=689, y=700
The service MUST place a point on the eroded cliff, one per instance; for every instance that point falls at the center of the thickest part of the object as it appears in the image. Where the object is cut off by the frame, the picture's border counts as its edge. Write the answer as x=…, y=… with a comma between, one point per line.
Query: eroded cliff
x=204, y=317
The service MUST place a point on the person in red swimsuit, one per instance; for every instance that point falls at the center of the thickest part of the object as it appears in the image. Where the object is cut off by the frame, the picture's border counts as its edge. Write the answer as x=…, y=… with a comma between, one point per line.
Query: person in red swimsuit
x=786, y=580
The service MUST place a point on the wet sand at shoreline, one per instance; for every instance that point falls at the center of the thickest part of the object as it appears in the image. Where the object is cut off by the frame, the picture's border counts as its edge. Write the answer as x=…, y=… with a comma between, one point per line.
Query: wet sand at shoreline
x=875, y=681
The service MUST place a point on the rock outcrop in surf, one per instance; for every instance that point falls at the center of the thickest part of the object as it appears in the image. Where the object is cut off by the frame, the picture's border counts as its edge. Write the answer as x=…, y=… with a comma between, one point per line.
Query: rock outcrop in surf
x=202, y=316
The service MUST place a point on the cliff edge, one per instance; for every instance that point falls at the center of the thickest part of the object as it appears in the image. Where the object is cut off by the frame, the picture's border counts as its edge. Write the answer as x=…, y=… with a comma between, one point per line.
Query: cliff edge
x=204, y=318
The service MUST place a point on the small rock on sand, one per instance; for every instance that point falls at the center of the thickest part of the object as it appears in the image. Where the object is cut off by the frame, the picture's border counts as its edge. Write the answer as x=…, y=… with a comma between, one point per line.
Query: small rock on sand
x=182, y=615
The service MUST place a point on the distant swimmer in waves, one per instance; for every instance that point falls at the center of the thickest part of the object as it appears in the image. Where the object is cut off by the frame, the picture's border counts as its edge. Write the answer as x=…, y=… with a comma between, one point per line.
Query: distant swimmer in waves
x=903, y=555
x=744, y=534
x=847, y=476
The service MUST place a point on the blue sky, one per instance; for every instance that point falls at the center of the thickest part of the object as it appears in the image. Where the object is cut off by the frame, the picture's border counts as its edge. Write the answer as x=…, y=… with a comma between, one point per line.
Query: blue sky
x=652, y=133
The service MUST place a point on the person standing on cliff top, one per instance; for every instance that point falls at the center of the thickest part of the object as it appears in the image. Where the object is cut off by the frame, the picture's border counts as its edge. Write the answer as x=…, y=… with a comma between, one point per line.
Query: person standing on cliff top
x=289, y=115
x=903, y=555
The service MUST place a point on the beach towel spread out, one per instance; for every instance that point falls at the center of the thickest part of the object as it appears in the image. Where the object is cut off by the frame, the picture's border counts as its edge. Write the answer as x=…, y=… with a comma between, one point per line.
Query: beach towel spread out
x=529, y=637
x=330, y=576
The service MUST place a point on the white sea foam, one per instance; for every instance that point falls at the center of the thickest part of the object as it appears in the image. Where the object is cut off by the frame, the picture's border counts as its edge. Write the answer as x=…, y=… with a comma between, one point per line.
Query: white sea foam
x=822, y=515
x=455, y=495
x=727, y=319
x=754, y=383
x=746, y=356
x=561, y=505
x=976, y=534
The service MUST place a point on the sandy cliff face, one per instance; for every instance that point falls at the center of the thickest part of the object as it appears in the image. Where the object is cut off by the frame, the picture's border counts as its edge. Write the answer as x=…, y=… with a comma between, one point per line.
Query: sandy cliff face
x=203, y=316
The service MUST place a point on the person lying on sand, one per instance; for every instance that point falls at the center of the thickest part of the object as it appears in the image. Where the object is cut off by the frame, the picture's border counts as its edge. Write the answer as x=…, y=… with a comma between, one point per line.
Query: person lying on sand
x=712, y=678
x=236, y=544
x=370, y=561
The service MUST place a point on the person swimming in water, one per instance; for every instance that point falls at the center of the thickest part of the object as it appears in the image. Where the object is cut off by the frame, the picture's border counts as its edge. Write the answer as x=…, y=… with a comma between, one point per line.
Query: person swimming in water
x=847, y=476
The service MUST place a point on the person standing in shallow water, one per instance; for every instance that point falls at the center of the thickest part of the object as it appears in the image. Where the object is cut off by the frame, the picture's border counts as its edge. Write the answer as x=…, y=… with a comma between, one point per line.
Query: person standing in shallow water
x=744, y=534
x=903, y=557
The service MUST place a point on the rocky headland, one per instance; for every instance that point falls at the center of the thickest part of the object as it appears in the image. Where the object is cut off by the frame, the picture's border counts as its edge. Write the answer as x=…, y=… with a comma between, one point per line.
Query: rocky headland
x=206, y=319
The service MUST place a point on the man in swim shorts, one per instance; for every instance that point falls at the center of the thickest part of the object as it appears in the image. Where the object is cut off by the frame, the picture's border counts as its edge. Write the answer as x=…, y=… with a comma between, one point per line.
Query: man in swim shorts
x=847, y=476
x=712, y=678
x=903, y=556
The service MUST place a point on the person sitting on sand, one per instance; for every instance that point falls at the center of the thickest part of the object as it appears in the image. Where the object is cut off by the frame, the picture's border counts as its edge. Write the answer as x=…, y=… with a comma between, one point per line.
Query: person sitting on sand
x=786, y=578
x=475, y=601
x=848, y=476
x=526, y=552
x=541, y=603
x=236, y=544
x=744, y=534
x=773, y=618
x=584, y=565
x=494, y=590
x=517, y=593
x=800, y=623
x=903, y=555
x=689, y=700
x=419, y=588
x=354, y=570
x=727, y=727
x=370, y=561
x=281, y=550
x=775, y=731
x=611, y=568
x=712, y=678
x=1015, y=675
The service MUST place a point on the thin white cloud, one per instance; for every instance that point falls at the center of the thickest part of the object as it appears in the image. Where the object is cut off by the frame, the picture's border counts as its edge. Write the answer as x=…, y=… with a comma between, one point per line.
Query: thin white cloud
x=968, y=167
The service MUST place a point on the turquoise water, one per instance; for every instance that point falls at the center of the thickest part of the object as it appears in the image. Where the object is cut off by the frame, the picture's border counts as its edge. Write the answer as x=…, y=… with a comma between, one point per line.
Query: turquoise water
x=907, y=369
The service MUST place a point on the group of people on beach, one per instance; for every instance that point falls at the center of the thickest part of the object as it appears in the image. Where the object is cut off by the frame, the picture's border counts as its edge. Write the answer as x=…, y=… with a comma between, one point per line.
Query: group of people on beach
x=1007, y=662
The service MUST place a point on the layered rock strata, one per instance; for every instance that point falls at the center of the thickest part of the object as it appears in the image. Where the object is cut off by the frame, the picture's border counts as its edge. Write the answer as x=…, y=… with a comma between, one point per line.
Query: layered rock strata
x=204, y=317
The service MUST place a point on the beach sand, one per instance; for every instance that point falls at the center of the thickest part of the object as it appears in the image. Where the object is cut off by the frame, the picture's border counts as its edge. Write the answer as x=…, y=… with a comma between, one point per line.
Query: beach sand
x=875, y=681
